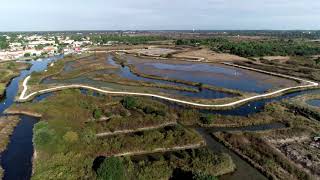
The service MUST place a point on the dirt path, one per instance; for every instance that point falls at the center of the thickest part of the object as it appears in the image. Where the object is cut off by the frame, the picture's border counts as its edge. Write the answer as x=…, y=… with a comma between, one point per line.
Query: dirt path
x=126, y=131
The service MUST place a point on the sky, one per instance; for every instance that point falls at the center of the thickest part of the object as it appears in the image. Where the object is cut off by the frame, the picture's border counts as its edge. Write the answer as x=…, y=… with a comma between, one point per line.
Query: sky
x=53, y=15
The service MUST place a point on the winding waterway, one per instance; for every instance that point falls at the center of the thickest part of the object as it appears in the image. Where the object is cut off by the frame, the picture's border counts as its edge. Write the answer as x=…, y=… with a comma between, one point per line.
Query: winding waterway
x=16, y=160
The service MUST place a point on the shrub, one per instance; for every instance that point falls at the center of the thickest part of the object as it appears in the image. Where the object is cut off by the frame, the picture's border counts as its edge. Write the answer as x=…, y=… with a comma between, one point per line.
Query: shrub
x=97, y=113
x=27, y=55
x=207, y=118
x=129, y=102
x=161, y=113
x=42, y=134
x=111, y=169
x=71, y=137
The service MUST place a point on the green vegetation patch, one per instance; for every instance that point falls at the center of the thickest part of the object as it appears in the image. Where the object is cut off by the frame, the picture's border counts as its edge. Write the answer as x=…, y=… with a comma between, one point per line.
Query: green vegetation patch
x=194, y=162
x=65, y=139
x=131, y=113
x=148, y=141
x=4, y=44
x=9, y=70
x=104, y=39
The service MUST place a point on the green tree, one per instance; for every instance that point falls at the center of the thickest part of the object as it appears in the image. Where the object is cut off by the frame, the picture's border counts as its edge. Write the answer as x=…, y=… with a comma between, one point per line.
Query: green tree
x=27, y=55
x=3, y=43
x=111, y=169
x=39, y=47
x=129, y=102
x=56, y=40
x=43, y=135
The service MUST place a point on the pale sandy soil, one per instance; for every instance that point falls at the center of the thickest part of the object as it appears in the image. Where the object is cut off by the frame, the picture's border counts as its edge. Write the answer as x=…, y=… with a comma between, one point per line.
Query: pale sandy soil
x=315, y=56
x=209, y=56
x=277, y=58
x=153, y=51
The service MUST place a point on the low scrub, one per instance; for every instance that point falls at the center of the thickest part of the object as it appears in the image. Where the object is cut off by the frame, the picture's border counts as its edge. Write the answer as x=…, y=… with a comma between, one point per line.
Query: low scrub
x=196, y=163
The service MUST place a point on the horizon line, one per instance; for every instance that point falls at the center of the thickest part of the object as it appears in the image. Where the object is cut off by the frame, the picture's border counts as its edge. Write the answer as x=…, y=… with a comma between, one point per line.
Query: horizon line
x=158, y=30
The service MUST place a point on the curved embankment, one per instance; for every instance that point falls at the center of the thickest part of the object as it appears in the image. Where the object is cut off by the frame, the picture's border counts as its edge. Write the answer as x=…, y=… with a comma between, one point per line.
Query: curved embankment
x=308, y=84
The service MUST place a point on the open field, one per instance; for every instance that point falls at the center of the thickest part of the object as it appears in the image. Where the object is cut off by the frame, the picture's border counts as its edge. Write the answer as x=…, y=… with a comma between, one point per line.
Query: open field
x=207, y=55
x=152, y=51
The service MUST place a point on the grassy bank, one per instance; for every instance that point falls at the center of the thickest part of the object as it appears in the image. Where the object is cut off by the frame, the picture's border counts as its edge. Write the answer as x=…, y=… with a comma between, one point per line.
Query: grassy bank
x=272, y=113
x=114, y=78
x=300, y=105
x=37, y=77
x=9, y=70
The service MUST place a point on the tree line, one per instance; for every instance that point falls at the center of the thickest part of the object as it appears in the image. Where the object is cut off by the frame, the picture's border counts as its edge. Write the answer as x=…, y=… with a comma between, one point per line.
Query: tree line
x=4, y=44
x=104, y=39
x=256, y=48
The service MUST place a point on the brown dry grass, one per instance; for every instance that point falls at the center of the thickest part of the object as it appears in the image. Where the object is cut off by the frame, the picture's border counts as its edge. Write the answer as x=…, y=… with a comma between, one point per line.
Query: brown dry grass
x=209, y=55
x=7, y=125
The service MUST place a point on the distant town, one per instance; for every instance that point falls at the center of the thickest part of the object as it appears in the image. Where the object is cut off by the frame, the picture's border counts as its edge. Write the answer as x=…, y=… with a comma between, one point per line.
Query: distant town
x=34, y=46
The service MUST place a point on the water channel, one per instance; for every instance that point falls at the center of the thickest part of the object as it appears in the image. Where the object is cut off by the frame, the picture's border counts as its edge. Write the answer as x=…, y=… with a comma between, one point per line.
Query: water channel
x=16, y=160
x=314, y=102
